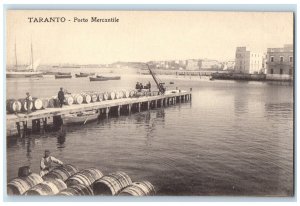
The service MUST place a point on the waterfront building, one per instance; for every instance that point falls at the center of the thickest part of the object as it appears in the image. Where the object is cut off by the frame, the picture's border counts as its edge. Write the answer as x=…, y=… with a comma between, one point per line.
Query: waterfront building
x=192, y=64
x=209, y=64
x=247, y=62
x=280, y=62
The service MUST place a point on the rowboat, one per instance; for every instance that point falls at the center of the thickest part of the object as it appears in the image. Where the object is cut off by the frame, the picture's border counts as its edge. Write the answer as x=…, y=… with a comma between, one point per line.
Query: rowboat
x=110, y=78
x=62, y=76
x=80, y=118
x=98, y=79
x=81, y=75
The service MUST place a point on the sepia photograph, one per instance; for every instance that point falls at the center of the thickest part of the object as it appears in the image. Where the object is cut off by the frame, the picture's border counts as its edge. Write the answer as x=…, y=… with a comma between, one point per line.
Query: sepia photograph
x=149, y=103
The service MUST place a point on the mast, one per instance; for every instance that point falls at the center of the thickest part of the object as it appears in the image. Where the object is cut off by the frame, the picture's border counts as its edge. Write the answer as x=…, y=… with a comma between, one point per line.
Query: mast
x=16, y=55
x=31, y=56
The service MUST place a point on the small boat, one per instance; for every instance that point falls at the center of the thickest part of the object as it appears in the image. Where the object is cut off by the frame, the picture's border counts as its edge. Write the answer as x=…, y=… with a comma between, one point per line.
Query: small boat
x=89, y=74
x=64, y=73
x=62, y=76
x=110, y=77
x=171, y=82
x=80, y=118
x=81, y=75
x=98, y=78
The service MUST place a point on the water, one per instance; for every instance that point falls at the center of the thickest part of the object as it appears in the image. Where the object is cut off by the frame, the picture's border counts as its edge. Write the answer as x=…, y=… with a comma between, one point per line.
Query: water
x=234, y=138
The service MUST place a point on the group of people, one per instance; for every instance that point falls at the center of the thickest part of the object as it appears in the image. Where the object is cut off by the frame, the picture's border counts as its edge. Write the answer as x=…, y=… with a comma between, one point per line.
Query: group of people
x=139, y=86
x=28, y=99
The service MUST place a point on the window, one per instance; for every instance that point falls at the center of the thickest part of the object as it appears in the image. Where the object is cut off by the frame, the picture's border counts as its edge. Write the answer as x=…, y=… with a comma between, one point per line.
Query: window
x=272, y=59
x=281, y=59
x=271, y=71
x=290, y=71
x=281, y=71
x=291, y=59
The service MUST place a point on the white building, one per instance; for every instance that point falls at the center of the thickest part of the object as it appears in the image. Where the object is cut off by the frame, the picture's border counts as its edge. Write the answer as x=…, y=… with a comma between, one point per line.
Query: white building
x=247, y=61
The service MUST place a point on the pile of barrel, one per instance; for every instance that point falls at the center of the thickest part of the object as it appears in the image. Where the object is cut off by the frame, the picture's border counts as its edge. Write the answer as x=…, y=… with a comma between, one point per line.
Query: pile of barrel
x=67, y=180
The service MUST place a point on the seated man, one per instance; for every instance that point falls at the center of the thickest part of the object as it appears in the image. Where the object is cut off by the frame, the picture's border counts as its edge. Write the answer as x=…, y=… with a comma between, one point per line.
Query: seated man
x=46, y=163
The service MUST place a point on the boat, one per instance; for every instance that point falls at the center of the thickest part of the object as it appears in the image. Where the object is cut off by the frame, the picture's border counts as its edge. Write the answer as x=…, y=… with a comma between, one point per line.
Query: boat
x=81, y=75
x=110, y=77
x=80, y=118
x=29, y=72
x=64, y=73
x=89, y=74
x=98, y=78
x=62, y=76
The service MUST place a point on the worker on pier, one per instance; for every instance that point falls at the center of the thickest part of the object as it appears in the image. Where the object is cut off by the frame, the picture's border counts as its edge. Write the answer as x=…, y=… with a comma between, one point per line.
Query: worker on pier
x=149, y=86
x=28, y=100
x=141, y=87
x=137, y=86
x=61, y=97
x=46, y=163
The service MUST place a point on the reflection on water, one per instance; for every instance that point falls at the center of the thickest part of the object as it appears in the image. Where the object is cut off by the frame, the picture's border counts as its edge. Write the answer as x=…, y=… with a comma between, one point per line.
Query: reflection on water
x=233, y=139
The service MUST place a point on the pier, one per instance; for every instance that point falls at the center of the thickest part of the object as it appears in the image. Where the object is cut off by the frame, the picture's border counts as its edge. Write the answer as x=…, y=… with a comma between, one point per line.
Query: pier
x=20, y=123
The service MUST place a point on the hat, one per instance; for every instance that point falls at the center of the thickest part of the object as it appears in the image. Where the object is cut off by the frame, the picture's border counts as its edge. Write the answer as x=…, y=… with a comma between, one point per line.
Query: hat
x=46, y=150
x=61, y=88
x=27, y=92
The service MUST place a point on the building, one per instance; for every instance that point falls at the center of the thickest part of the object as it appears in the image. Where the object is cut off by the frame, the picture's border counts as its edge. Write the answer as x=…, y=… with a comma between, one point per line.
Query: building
x=192, y=64
x=209, y=64
x=247, y=61
x=280, y=62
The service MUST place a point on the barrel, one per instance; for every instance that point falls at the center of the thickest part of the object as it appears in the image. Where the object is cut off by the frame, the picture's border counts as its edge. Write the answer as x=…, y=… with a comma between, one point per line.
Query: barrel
x=54, y=102
x=61, y=172
x=48, y=187
x=24, y=105
x=132, y=93
x=13, y=105
x=143, y=188
x=100, y=97
x=68, y=99
x=111, y=184
x=111, y=95
x=94, y=97
x=125, y=93
x=78, y=99
x=86, y=98
x=37, y=103
x=19, y=186
x=121, y=94
x=117, y=95
x=77, y=190
x=105, y=95
x=85, y=177
x=45, y=102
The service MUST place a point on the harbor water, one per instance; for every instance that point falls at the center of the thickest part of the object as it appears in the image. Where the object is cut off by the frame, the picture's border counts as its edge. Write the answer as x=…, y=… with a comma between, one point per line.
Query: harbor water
x=234, y=138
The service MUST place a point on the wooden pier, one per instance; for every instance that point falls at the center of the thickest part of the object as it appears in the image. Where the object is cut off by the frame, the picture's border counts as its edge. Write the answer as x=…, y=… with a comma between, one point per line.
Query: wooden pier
x=20, y=123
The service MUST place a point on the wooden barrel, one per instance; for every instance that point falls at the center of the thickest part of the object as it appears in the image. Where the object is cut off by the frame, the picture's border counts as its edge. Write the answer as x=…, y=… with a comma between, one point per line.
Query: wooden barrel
x=86, y=177
x=86, y=98
x=143, y=188
x=78, y=99
x=19, y=186
x=111, y=95
x=45, y=102
x=48, y=187
x=13, y=105
x=105, y=95
x=132, y=93
x=68, y=99
x=117, y=95
x=111, y=184
x=100, y=97
x=77, y=190
x=24, y=105
x=61, y=172
x=126, y=93
x=94, y=97
x=37, y=103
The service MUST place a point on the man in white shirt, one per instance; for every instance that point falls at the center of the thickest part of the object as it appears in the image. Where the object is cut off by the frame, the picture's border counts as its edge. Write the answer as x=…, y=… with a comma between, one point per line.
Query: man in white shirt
x=46, y=163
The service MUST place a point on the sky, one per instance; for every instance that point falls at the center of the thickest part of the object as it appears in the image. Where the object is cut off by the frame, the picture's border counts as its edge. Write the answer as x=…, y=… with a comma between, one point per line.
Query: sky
x=142, y=35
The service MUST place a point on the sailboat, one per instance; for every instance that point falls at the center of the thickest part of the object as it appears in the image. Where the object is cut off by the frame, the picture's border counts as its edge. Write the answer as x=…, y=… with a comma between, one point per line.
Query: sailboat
x=30, y=71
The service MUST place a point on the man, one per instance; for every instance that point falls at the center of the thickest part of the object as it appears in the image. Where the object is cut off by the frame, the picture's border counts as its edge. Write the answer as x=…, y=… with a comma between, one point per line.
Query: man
x=61, y=97
x=28, y=100
x=137, y=86
x=149, y=86
x=46, y=163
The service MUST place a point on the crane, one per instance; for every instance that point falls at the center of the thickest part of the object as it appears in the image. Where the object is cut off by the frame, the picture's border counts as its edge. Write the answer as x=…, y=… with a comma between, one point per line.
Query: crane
x=159, y=83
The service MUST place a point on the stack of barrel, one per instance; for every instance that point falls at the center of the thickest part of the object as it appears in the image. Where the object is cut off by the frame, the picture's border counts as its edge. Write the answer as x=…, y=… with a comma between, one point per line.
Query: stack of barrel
x=67, y=180
x=15, y=106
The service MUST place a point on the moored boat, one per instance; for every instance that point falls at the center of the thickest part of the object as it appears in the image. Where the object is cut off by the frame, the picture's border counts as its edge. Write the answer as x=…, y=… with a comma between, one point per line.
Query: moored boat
x=110, y=77
x=80, y=118
x=98, y=78
x=81, y=75
x=62, y=76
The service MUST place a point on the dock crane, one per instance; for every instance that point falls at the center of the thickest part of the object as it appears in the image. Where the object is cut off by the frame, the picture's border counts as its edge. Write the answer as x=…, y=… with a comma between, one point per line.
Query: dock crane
x=159, y=83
